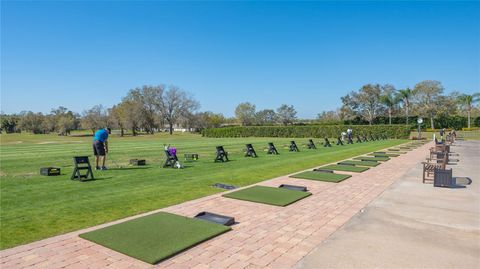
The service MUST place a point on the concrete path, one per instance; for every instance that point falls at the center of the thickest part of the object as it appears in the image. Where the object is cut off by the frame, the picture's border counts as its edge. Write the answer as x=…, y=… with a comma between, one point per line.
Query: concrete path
x=412, y=225
x=266, y=236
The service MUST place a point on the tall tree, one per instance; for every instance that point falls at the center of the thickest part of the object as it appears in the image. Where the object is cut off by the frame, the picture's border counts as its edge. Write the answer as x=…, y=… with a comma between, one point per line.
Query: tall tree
x=364, y=103
x=426, y=94
x=389, y=99
x=116, y=116
x=32, y=122
x=148, y=100
x=208, y=119
x=49, y=124
x=467, y=102
x=286, y=114
x=266, y=117
x=175, y=104
x=131, y=115
x=245, y=113
x=329, y=117
x=405, y=96
x=9, y=123
x=65, y=124
x=94, y=118
x=349, y=107
x=64, y=120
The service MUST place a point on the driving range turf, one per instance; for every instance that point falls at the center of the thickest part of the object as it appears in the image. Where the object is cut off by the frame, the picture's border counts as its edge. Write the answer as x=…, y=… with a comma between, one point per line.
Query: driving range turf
x=268, y=195
x=384, y=154
x=370, y=158
x=35, y=207
x=361, y=163
x=155, y=237
x=348, y=168
x=321, y=176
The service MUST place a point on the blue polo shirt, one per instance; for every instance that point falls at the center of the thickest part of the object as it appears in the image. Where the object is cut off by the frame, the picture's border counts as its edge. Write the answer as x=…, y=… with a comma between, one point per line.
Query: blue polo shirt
x=101, y=135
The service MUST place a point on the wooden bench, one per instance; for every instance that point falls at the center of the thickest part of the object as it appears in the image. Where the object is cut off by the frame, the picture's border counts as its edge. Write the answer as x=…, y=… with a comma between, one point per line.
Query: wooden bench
x=429, y=170
x=443, y=178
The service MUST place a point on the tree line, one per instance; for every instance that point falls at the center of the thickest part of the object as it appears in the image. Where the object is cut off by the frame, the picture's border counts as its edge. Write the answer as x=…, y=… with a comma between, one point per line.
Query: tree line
x=246, y=115
x=147, y=109
x=426, y=99
x=151, y=109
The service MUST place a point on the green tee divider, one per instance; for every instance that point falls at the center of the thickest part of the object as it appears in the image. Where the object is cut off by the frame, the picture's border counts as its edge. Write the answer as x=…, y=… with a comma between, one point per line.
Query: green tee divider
x=155, y=237
x=384, y=154
x=321, y=176
x=268, y=195
x=396, y=151
x=348, y=168
x=368, y=158
x=360, y=163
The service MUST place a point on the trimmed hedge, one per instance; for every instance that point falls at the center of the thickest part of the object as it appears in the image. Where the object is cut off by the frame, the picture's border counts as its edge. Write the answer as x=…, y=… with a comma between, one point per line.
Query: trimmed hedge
x=439, y=122
x=317, y=131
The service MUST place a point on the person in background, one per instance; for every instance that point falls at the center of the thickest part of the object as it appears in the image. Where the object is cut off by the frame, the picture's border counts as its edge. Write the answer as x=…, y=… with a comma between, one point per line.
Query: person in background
x=442, y=132
x=100, y=147
x=349, y=134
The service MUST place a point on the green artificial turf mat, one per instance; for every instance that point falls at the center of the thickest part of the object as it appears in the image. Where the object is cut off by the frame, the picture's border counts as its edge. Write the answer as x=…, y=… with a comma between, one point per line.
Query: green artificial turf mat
x=268, y=195
x=349, y=168
x=362, y=163
x=155, y=237
x=384, y=154
x=321, y=176
x=396, y=151
x=365, y=158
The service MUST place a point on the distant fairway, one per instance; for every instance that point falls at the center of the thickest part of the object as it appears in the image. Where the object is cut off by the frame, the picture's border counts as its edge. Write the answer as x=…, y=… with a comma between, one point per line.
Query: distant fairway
x=35, y=207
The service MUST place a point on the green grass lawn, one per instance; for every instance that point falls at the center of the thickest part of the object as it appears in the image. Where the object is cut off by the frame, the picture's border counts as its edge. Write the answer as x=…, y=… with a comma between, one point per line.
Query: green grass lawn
x=35, y=207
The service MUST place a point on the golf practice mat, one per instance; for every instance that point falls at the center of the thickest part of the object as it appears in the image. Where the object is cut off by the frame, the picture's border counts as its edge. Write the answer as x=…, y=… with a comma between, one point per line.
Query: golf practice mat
x=397, y=151
x=155, y=237
x=360, y=163
x=321, y=176
x=384, y=154
x=365, y=158
x=348, y=168
x=268, y=195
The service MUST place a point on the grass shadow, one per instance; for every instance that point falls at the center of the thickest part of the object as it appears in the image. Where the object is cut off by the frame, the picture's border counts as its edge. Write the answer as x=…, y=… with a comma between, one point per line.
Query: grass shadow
x=94, y=179
x=126, y=168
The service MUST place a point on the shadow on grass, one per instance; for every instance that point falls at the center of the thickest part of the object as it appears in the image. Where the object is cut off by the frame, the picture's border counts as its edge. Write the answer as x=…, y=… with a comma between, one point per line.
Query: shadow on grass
x=126, y=168
x=89, y=179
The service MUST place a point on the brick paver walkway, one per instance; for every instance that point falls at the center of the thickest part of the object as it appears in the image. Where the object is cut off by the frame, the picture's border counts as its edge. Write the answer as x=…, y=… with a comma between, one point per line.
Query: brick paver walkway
x=266, y=236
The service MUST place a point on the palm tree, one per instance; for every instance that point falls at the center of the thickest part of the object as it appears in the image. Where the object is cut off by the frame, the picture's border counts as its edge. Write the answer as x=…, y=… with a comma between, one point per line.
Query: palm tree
x=390, y=101
x=467, y=101
x=404, y=96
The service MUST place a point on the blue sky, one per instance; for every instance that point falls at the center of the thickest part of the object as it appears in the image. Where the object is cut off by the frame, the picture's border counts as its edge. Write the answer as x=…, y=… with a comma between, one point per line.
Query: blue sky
x=308, y=54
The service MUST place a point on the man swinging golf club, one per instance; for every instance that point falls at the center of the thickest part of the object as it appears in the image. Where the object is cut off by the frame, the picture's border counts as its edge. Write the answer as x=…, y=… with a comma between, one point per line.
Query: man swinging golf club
x=100, y=147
